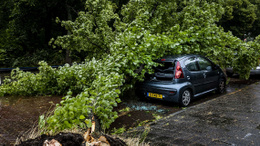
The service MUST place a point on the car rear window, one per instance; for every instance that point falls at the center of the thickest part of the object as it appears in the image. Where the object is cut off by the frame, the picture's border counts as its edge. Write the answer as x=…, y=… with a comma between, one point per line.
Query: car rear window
x=165, y=71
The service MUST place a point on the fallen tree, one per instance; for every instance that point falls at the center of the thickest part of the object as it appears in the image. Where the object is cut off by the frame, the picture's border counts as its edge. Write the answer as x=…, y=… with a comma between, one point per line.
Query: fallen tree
x=118, y=46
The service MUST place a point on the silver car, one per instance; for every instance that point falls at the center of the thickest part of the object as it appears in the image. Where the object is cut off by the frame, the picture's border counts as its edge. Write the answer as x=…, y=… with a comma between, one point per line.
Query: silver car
x=253, y=71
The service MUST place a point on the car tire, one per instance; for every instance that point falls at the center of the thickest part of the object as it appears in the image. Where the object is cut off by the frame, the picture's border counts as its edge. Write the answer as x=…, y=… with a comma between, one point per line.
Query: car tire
x=221, y=86
x=185, y=98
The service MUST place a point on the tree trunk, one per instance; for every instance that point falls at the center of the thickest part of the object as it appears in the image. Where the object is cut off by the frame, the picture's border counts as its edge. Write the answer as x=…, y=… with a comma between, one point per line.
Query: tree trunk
x=68, y=58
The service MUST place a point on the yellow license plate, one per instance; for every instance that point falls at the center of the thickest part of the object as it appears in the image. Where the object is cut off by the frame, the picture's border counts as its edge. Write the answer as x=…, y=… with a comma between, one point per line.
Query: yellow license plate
x=154, y=95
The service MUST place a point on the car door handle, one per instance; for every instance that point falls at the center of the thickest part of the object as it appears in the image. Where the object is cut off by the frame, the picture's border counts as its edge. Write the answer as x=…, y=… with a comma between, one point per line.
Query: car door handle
x=188, y=77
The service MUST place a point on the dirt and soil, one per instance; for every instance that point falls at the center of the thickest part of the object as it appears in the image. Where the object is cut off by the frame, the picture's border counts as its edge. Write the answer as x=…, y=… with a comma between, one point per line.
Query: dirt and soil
x=19, y=114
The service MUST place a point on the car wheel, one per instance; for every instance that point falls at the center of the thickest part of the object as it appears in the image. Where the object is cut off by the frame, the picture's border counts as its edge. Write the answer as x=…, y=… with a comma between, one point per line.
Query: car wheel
x=221, y=86
x=185, y=98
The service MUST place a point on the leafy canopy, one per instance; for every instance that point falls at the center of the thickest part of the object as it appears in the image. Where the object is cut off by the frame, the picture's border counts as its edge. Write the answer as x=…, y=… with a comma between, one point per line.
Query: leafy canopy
x=239, y=17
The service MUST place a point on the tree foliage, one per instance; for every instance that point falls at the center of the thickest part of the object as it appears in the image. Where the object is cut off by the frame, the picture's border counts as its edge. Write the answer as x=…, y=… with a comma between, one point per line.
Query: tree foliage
x=255, y=30
x=30, y=24
x=123, y=47
x=91, y=31
x=5, y=11
x=240, y=16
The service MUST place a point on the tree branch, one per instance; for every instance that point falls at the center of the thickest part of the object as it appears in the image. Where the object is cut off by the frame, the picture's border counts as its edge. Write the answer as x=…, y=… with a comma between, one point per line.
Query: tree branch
x=94, y=43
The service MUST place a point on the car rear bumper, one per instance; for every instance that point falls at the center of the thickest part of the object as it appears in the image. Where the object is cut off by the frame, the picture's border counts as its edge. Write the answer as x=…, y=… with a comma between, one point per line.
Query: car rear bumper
x=252, y=72
x=167, y=95
x=255, y=72
x=167, y=92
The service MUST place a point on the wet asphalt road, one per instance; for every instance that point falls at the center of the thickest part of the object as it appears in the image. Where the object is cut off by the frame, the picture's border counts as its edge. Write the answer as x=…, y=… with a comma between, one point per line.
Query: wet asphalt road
x=232, y=119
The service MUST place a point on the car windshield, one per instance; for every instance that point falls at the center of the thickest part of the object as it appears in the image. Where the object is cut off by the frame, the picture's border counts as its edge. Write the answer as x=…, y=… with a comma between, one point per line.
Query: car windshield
x=164, y=71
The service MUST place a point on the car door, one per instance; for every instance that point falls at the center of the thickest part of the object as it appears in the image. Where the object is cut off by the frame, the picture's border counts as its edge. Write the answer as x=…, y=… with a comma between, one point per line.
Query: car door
x=210, y=73
x=194, y=75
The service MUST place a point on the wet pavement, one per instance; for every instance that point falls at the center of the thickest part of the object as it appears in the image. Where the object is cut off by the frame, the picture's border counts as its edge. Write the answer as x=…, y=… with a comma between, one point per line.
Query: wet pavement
x=20, y=114
x=232, y=119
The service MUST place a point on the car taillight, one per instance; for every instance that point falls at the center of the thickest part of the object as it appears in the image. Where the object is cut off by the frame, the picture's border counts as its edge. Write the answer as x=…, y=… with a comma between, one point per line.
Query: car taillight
x=178, y=71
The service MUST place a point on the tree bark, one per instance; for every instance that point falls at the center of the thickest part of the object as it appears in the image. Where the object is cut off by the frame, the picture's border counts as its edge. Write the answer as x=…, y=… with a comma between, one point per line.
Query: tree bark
x=68, y=58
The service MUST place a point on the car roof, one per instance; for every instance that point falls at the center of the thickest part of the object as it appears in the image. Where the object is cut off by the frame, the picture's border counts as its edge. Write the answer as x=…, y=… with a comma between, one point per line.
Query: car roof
x=172, y=58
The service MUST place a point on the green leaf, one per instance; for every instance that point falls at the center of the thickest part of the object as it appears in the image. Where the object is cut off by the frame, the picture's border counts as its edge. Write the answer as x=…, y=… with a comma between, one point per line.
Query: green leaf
x=88, y=122
x=81, y=117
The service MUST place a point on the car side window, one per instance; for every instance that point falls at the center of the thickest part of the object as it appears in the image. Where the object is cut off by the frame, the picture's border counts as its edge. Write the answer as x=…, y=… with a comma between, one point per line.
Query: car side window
x=204, y=64
x=191, y=64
